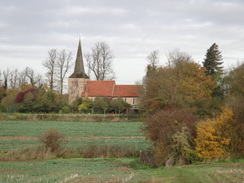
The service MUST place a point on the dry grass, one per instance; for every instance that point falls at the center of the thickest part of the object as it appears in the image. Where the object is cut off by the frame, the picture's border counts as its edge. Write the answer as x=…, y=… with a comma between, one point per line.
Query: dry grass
x=92, y=151
x=52, y=140
x=69, y=117
x=105, y=151
x=27, y=154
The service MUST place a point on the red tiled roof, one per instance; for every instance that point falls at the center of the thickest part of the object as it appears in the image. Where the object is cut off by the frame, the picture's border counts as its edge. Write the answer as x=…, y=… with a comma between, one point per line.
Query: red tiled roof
x=126, y=91
x=109, y=89
x=99, y=89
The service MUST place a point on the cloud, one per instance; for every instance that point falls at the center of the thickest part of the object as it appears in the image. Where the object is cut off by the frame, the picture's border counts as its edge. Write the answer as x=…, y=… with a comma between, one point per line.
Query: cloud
x=28, y=29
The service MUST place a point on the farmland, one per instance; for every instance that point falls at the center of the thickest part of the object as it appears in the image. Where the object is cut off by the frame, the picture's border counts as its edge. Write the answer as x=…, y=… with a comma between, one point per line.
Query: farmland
x=117, y=170
x=80, y=170
x=25, y=134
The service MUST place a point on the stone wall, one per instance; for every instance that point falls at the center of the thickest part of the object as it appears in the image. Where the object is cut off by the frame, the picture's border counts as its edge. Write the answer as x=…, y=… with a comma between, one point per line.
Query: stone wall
x=76, y=87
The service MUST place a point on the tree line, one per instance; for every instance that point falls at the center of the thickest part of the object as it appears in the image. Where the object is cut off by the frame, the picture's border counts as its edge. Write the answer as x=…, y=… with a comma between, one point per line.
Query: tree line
x=57, y=66
x=29, y=91
x=194, y=112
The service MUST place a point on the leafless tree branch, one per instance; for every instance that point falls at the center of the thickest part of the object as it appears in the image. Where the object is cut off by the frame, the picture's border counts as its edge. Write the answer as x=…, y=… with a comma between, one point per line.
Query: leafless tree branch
x=99, y=62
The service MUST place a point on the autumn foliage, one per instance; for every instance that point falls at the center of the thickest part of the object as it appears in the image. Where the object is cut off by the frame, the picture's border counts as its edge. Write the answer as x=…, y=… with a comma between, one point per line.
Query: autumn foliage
x=183, y=85
x=171, y=132
x=21, y=95
x=214, y=136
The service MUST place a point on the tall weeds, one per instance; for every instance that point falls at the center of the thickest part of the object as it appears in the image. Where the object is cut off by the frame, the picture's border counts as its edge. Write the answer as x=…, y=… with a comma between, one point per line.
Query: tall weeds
x=105, y=151
x=52, y=140
x=69, y=117
x=27, y=154
x=92, y=151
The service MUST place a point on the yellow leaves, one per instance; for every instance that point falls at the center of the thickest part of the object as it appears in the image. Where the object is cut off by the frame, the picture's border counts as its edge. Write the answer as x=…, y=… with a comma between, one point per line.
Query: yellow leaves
x=85, y=105
x=183, y=84
x=214, y=135
x=207, y=145
x=225, y=118
x=195, y=83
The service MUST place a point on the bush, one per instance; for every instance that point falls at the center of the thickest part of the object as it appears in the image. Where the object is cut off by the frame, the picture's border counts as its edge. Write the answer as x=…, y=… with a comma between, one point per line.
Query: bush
x=182, y=148
x=52, y=140
x=237, y=140
x=147, y=157
x=217, y=137
x=65, y=109
x=163, y=129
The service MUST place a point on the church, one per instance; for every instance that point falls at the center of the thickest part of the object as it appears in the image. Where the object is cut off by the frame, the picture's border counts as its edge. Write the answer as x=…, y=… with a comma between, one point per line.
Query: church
x=80, y=86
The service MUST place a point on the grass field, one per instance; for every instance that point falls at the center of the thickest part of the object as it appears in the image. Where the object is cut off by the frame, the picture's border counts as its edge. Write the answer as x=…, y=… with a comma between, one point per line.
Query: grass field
x=20, y=135
x=118, y=170
x=204, y=173
x=72, y=170
x=25, y=134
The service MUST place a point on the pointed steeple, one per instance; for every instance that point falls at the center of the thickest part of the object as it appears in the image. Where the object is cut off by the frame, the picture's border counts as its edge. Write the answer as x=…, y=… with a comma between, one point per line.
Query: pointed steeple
x=79, y=71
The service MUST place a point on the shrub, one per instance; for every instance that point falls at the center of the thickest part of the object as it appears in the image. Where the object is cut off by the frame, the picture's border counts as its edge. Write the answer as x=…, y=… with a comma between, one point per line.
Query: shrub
x=183, y=148
x=85, y=106
x=119, y=105
x=214, y=136
x=101, y=104
x=147, y=157
x=65, y=109
x=53, y=140
x=162, y=129
x=237, y=140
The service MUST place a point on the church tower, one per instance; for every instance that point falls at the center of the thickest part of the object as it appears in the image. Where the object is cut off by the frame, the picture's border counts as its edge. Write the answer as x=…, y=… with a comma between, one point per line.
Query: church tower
x=77, y=81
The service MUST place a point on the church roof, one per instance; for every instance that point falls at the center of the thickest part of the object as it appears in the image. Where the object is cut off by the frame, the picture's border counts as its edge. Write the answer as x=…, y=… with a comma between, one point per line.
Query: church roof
x=79, y=71
x=109, y=89
x=126, y=91
x=99, y=89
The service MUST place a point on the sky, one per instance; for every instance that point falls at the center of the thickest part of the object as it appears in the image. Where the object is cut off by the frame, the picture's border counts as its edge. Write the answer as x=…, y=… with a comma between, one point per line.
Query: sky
x=132, y=29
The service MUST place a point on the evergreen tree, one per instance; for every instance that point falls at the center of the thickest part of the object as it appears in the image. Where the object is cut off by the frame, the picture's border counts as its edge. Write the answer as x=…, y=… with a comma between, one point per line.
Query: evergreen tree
x=213, y=62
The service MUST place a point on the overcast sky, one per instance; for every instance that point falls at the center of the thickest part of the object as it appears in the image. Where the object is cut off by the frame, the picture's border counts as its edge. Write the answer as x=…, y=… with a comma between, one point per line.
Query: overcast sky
x=132, y=28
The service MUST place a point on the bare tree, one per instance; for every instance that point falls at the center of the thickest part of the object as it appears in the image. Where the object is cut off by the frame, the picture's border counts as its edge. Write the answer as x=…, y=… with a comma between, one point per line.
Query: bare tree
x=22, y=79
x=99, y=62
x=153, y=58
x=177, y=57
x=2, y=92
x=30, y=74
x=1, y=79
x=50, y=64
x=13, y=78
x=63, y=66
x=39, y=80
x=35, y=79
x=5, y=78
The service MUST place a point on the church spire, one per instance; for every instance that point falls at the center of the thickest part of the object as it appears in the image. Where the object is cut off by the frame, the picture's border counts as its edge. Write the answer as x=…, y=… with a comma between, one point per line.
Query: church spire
x=79, y=71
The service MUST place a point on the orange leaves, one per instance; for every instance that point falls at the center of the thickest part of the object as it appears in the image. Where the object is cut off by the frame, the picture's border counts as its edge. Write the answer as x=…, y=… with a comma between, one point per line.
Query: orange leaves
x=182, y=85
x=195, y=83
x=213, y=136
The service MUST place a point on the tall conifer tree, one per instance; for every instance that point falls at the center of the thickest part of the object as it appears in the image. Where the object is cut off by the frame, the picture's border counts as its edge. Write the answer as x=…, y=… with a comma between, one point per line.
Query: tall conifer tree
x=213, y=64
